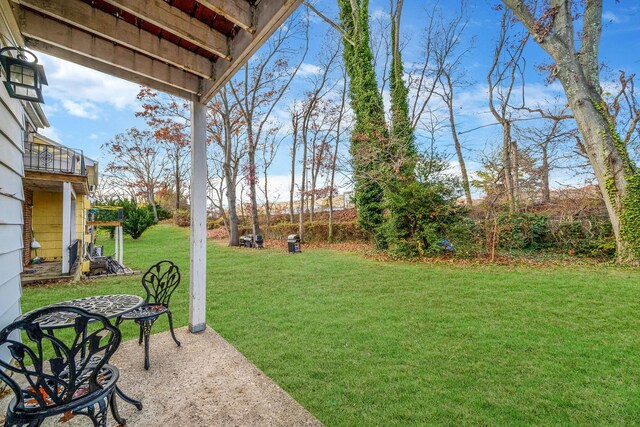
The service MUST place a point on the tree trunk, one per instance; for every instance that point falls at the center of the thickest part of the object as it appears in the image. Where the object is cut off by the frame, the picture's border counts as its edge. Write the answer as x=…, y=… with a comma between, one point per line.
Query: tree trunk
x=231, y=202
x=253, y=200
x=267, y=207
x=303, y=186
x=516, y=172
x=294, y=148
x=607, y=162
x=544, y=174
x=152, y=202
x=177, y=178
x=456, y=142
x=508, y=173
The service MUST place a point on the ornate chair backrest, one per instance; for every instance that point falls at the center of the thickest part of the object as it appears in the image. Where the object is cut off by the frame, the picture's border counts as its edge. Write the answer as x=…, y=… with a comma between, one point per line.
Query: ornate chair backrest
x=72, y=371
x=160, y=281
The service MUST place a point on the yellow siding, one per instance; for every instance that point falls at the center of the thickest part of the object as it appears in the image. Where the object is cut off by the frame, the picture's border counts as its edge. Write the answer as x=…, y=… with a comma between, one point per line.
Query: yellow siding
x=47, y=224
x=40, y=141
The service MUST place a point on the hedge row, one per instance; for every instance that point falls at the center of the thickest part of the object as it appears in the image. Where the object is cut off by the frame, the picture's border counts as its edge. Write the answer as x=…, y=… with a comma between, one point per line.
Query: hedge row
x=314, y=231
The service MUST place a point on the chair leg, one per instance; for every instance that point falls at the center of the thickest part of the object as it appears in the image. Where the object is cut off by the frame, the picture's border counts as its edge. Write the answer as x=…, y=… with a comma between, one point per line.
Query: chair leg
x=140, y=337
x=173, y=334
x=99, y=417
x=146, y=327
x=114, y=410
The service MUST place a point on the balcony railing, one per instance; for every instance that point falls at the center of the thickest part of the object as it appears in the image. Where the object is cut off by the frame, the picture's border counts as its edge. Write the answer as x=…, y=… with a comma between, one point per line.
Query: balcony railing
x=73, y=254
x=50, y=158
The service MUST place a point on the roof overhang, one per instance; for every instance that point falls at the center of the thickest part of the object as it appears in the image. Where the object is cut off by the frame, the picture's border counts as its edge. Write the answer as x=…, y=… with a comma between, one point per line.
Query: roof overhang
x=187, y=48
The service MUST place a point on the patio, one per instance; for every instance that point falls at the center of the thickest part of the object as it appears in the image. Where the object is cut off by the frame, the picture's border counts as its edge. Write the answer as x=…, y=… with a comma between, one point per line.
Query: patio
x=44, y=272
x=205, y=382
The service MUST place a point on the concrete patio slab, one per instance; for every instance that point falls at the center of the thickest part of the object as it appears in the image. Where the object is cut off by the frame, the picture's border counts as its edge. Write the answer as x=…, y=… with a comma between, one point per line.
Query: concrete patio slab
x=205, y=382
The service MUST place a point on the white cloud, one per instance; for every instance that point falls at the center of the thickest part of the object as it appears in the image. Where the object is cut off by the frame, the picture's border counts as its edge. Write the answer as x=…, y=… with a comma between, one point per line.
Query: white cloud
x=379, y=13
x=51, y=133
x=84, y=109
x=309, y=70
x=609, y=16
x=85, y=87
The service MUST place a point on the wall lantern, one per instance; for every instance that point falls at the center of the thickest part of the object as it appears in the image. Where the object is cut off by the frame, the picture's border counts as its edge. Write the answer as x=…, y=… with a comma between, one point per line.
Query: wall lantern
x=24, y=76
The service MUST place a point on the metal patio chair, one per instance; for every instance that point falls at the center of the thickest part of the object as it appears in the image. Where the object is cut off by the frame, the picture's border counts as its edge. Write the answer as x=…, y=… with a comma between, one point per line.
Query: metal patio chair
x=50, y=375
x=159, y=282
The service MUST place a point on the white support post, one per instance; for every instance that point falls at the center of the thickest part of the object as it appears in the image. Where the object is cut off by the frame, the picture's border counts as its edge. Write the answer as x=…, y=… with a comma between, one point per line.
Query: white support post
x=66, y=225
x=116, y=241
x=198, y=198
x=121, y=246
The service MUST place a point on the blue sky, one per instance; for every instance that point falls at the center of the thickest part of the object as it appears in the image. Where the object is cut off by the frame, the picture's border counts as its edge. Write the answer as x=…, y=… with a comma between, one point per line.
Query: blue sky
x=86, y=108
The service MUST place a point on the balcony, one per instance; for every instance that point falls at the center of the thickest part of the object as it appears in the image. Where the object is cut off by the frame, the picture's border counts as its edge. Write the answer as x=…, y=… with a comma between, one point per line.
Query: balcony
x=53, y=159
x=47, y=167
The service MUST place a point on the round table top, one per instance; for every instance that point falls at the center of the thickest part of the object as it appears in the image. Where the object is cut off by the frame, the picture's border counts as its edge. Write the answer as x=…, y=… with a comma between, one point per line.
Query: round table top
x=108, y=306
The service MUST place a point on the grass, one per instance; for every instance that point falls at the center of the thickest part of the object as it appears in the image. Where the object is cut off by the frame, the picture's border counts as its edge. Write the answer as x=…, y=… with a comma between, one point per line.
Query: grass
x=361, y=342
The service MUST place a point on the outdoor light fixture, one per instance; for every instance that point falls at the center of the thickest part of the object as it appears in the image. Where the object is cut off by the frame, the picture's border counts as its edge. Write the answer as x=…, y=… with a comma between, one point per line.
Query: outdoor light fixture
x=24, y=76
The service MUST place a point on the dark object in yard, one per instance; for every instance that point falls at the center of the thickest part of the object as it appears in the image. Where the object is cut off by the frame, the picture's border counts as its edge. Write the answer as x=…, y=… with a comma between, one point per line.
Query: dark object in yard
x=293, y=243
x=445, y=246
x=159, y=282
x=98, y=265
x=78, y=380
x=246, y=241
x=113, y=266
x=251, y=241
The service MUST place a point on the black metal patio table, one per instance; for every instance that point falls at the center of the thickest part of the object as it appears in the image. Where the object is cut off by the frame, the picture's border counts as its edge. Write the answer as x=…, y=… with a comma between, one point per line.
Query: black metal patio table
x=109, y=306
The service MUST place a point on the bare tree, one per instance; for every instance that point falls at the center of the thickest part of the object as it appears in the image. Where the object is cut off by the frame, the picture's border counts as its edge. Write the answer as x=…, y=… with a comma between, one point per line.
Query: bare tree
x=269, y=150
x=168, y=117
x=312, y=121
x=295, y=114
x=137, y=163
x=501, y=79
x=262, y=84
x=340, y=130
x=225, y=128
x=552, y=26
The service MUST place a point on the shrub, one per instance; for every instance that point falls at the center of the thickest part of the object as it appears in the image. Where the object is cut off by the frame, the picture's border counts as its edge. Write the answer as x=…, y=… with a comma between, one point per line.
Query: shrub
x=162, y=212
x=215, y=223
x=419, y=213
x=136, y=220
x=182, y=217
x=523, y=231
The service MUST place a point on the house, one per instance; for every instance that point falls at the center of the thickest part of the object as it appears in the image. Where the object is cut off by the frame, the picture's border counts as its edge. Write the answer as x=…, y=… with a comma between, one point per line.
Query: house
x=188, y=49
x=57, y=183
x=18, y=119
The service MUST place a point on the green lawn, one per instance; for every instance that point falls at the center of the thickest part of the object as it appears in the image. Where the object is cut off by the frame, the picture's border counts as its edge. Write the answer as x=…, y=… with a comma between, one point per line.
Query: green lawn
x=360, y=342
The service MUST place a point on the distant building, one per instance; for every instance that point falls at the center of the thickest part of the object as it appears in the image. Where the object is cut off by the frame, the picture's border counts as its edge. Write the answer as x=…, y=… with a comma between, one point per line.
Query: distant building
x=340, y=202
x=57, y=184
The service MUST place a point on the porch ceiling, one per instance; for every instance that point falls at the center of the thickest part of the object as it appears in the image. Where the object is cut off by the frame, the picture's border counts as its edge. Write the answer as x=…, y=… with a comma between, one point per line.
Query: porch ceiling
x=183, y=47
x=52, y=182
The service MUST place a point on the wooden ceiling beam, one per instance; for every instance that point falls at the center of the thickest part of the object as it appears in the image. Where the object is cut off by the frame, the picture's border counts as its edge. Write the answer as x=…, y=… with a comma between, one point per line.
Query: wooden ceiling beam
x=237, y=11
x=175, y=21
x=55, y=33
x=85, y=17
x=268, y=16
x=112, y=70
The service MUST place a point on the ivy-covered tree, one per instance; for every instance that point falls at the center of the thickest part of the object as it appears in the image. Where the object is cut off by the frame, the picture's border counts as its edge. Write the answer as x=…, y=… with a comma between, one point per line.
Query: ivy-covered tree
x=370, y=131
x=402, y=141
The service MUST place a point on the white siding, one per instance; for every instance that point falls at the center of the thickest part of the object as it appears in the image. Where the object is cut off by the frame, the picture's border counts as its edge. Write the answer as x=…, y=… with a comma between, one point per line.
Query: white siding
x=11, y=198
